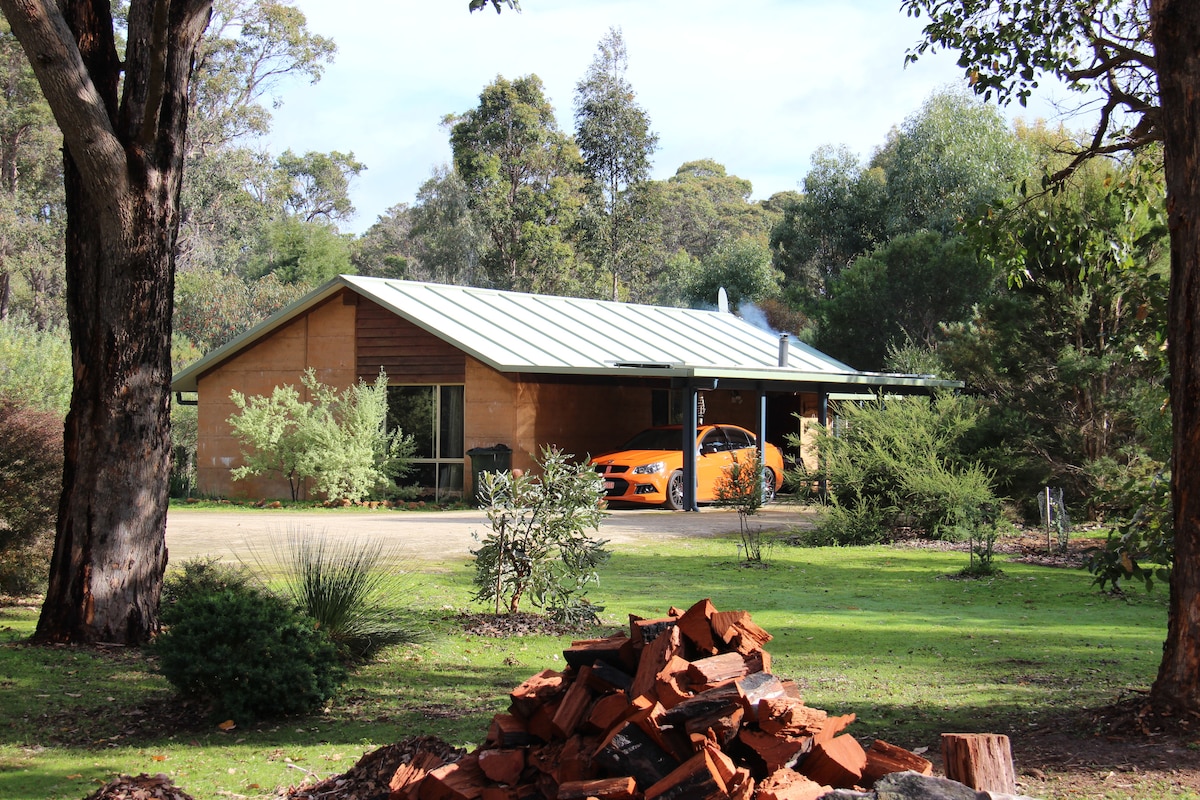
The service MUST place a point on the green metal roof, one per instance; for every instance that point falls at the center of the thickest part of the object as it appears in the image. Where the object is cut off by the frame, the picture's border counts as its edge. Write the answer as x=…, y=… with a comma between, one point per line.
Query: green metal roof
x=517, y=332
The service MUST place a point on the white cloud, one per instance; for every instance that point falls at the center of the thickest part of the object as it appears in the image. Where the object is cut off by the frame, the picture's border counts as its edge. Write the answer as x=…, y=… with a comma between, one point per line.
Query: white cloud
x=756, y=85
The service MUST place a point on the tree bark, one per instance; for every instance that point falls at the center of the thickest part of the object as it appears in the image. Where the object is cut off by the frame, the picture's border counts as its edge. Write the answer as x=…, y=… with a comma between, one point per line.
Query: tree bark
x=1175, y=29
x=124, y=128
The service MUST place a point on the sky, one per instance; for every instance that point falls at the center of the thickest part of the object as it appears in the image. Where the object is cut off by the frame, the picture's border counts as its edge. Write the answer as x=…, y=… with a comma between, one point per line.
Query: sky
x=757, y=85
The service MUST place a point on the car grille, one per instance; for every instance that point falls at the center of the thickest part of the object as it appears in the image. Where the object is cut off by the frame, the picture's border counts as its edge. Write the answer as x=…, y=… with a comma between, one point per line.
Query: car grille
x=612, y=469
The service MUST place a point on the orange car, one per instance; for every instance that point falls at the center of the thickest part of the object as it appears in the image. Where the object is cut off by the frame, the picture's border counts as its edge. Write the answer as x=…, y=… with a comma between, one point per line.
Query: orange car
x=649, y=468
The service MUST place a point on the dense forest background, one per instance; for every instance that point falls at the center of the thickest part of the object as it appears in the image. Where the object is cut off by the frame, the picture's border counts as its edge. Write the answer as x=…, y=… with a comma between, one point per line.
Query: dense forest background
x=938, y=253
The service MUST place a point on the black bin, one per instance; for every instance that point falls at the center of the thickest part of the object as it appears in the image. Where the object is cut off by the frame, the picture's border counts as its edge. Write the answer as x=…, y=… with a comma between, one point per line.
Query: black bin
x=488, y=459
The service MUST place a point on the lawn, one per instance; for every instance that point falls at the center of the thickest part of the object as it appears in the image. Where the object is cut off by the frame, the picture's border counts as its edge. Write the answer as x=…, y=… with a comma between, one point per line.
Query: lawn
x=886, y=633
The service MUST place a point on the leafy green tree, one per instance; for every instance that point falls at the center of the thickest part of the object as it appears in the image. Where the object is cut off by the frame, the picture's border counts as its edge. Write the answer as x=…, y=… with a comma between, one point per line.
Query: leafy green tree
x=523, y=182
x=743, y=268
x=213, y=307
x=1070, y=358
x=902, y=292
x=316, y=186
x=838, y=218
x=385, y=250
x=32, y=216
x=447, y=239
x=614, y=137
x=35, y=365
x=1139, y=58
x=947, y=164
x=340, y=441
x=296, y=252
x=539, y=547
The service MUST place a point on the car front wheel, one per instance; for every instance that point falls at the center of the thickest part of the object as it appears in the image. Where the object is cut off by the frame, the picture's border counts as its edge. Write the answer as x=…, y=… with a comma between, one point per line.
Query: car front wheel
x=768, y=485
x=675, y=491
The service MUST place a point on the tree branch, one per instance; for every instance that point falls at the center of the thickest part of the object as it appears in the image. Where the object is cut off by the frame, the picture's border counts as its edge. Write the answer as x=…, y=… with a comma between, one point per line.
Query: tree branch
x=76, y=103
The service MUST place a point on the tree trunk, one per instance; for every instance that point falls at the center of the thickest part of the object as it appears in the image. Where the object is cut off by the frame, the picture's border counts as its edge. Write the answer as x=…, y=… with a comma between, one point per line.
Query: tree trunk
x=124, y=126
x=1176, y=33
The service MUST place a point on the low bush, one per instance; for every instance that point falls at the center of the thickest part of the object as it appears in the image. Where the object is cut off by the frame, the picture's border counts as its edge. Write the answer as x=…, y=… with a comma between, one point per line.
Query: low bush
x=901, y=463
x=30, y=486
x=248, y=653
x=203, y=575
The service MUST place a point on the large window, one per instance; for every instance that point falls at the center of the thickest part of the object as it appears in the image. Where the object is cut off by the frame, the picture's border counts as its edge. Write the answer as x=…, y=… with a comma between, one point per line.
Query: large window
x=433, y=416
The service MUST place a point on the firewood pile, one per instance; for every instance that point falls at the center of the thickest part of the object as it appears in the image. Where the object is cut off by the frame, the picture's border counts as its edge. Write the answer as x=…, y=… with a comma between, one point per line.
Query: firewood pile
x=679, y=708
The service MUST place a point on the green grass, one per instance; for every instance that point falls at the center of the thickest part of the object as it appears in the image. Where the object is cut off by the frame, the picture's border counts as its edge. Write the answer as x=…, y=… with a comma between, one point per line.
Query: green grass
x=884, y=633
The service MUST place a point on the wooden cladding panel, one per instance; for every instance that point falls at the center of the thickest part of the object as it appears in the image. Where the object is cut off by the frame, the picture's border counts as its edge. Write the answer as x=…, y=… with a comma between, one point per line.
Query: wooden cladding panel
x=406, y=352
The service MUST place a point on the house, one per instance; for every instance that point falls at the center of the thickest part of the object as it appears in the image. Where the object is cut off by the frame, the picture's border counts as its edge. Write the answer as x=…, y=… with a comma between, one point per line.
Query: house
x=470, y=368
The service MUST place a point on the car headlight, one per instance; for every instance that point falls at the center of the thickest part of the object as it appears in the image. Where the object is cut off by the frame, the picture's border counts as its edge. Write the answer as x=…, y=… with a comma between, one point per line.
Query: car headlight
x=648, y=469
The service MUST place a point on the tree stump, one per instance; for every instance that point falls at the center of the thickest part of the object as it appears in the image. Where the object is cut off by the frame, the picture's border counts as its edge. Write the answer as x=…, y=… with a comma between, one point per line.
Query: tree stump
x=982, y=761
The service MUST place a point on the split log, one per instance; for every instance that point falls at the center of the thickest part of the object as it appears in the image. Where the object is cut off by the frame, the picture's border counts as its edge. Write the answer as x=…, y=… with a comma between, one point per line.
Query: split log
x=586, y=652
x=406, y=779
x=502, y=765
x=716, y=670
x=727, y=625
x=575, y=762
x=630, y=751
x=605, y=678
x=777, y=750
x=607, y=712
x=535, y=692
x=602, y=788
x=462, y=780
x=698, y=778
x=839, y=762
x=718, y=711
x=756, y=687
x=671, y=684
x=655, y=656
x=884, y=759
x=982, y=761
x=696, y=626
x=509, y=730
x=832, y=727
x=742, y=785
x=786, y=784
x=574, y=706
x=644, y=631
x=541, y=723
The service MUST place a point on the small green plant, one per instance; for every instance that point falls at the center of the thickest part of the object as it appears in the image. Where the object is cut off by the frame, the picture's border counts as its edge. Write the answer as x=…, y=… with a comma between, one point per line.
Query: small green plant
x=248, y=653
x=338, y=441
x=539, y=546
x=343, y=584
x=742, y=488
x=980, y=528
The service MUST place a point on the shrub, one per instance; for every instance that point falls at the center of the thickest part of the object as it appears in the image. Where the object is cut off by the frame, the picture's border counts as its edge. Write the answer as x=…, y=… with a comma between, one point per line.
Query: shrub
x=203, y=575
x=248, y=653
x=339, y=441
x=30, y=485
x=342, y=584
x=539, y=546
x=903, y=463
x=1141, y=547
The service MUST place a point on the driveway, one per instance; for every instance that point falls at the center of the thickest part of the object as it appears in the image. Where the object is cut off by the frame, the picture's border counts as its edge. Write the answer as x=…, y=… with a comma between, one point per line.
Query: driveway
x=432, y=535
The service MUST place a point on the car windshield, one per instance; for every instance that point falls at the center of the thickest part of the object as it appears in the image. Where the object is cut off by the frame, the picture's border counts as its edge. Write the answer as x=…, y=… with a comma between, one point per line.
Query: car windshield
x=655, y=439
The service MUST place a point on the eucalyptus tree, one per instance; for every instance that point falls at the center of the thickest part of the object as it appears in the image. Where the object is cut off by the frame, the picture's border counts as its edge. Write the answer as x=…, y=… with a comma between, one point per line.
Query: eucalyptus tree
x=32, y=215
x=1138, y=58
x=446, y=239
x=615, y=140
x=524, y=187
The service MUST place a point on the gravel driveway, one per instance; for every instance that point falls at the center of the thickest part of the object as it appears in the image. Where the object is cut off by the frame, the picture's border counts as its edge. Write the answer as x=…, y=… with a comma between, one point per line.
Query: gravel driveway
x=431, y=535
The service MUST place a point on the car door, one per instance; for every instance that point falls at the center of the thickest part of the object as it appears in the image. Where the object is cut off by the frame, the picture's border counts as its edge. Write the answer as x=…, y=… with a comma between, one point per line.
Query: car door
x=711, y=464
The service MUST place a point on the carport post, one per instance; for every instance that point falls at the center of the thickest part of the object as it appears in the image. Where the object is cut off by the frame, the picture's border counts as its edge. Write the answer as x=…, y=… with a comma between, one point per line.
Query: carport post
x=762, y=428
x=691, y=394
x=823, y=421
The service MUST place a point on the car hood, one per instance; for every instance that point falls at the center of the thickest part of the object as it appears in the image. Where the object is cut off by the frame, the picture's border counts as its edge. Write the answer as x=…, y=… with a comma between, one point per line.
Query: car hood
x=635, y=457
